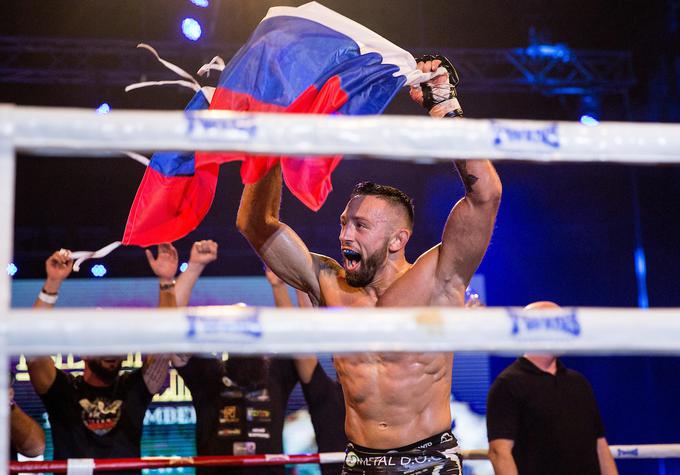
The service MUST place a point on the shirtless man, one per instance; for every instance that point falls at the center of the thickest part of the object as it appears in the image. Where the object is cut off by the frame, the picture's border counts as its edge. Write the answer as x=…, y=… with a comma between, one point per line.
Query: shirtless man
x=397, y=404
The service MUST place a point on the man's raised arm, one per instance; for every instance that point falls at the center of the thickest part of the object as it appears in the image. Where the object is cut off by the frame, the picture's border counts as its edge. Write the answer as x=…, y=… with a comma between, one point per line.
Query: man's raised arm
x=441, y=275
x=58, y=267
x=468, y=229
x=278, y=246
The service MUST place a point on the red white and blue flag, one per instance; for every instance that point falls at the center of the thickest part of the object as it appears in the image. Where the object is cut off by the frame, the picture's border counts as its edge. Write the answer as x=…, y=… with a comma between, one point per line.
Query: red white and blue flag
x=307, y=59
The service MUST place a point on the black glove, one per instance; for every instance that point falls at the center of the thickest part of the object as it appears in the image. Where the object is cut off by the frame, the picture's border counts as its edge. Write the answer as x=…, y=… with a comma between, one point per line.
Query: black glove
x=441, y=99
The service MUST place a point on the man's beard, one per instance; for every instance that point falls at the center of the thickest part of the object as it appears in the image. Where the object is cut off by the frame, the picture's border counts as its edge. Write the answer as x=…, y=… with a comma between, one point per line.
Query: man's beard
x=249, y=372
x=107, y=375
x=367, y=270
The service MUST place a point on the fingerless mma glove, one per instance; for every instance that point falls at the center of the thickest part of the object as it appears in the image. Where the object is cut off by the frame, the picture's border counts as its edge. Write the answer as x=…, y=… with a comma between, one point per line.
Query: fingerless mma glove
x=441, y=99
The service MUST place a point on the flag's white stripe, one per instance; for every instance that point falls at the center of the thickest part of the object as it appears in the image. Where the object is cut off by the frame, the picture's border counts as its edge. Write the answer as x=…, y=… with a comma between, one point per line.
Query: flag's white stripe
x=368, y=41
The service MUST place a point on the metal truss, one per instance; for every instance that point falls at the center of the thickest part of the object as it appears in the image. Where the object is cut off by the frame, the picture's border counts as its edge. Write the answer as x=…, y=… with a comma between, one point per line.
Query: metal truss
x=546, y=69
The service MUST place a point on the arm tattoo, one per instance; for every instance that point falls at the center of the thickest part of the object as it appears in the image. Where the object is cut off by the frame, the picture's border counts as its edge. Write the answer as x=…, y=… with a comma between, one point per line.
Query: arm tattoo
x=469, y=180
x=328, y=264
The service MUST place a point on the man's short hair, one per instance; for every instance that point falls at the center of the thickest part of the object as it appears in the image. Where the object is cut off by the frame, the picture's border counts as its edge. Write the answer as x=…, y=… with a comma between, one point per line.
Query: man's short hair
x=388, y=193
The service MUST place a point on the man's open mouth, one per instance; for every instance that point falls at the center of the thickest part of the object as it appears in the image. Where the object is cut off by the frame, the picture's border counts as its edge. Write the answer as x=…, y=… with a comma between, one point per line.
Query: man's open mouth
x=352, y=259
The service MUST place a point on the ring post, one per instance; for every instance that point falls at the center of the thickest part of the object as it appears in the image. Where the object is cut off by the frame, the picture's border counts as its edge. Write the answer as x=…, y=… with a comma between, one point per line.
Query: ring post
x=7, y=167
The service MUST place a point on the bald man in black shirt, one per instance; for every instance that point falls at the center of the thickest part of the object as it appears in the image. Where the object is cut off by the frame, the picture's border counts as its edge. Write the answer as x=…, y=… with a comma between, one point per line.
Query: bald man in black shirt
x=542, y=418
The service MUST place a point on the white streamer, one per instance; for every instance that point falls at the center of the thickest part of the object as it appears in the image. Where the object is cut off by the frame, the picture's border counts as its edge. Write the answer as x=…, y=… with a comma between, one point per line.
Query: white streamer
x=189, y=81
x=215, y=64
x=82, y=256
x=138, y=157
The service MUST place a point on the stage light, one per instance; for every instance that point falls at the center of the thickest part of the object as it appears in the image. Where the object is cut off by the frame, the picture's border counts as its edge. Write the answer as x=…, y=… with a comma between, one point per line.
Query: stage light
x=98, y=270
x=11, y=269
x=641, y=275
x=201, y=3
x=191, y=29
x=104, y=108
x=183, y=267
x=588, y=120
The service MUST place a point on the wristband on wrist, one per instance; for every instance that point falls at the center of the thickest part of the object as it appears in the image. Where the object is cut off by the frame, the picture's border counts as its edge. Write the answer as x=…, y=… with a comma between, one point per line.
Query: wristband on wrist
x=168, y=286
x=47, y=297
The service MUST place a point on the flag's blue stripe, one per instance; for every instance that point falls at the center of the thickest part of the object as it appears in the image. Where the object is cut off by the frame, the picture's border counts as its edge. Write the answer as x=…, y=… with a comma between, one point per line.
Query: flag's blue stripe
x=290, y=54
x=179, y=163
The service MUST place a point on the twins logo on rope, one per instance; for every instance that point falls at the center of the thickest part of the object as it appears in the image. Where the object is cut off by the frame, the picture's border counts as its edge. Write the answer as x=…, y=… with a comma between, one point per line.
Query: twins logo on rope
x=533, y=326
x=632, y=453
x=224, y=329
x=239, y=130
x=525, y=139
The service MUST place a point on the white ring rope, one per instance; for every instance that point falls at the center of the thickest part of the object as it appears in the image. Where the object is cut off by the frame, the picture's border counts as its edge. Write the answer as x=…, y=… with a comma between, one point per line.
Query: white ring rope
x=639, y=451
x=256, y=330
x=397, y=137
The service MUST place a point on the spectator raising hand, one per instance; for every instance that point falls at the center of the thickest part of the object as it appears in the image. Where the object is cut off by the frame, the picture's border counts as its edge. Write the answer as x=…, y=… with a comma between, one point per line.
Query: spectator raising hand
x=164, y=265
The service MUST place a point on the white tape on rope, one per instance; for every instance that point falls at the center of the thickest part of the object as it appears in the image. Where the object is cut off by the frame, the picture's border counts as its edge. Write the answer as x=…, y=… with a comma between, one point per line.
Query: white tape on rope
x=332, y=457
x=250, y=330
x=397, y=137
x=79, y=466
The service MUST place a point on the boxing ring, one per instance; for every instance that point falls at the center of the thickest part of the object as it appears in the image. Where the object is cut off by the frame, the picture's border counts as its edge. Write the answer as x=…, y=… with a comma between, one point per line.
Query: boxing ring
x=298, y=331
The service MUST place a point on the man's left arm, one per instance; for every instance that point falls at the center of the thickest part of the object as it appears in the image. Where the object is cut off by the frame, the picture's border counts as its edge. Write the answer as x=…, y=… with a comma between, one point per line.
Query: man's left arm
x=468, y=229
x=442, y=273
x=605, y=458
x=202, y=253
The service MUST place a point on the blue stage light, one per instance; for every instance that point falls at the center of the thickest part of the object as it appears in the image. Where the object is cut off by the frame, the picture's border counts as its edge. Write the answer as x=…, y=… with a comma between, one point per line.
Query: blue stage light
x=11, y=269
x=104, y=108
x=588, y=120
x=641, y=275
x=201, y=3
x=98, y=270
x=183, y=267
x=191, y=29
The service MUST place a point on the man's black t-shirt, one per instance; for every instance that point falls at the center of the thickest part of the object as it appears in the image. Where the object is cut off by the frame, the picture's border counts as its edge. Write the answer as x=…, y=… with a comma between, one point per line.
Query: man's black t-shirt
x=238, y=417
x=94, y=422
x=327, y=410
x=552, y=419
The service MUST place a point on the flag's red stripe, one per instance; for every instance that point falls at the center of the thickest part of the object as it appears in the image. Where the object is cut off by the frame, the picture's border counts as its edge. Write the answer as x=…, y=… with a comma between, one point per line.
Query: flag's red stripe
x=168, y=208
x=308, y=180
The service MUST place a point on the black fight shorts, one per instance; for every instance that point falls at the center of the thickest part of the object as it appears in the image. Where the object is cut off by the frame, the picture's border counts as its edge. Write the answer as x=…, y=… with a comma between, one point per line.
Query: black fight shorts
x=436, y=455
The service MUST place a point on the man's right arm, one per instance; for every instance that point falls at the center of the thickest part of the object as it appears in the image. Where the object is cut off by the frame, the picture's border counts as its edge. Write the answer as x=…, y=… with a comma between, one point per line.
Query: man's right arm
x=26, y=436
x=500, y=455
x=57, y=268
x=278, y=246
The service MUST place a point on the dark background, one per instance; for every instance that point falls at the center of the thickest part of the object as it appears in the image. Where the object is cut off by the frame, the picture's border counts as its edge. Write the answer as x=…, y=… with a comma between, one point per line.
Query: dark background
x=564, y=232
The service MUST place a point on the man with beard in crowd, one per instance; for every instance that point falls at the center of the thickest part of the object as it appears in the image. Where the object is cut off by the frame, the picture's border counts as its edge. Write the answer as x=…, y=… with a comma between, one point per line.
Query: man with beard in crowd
x=99, y=414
